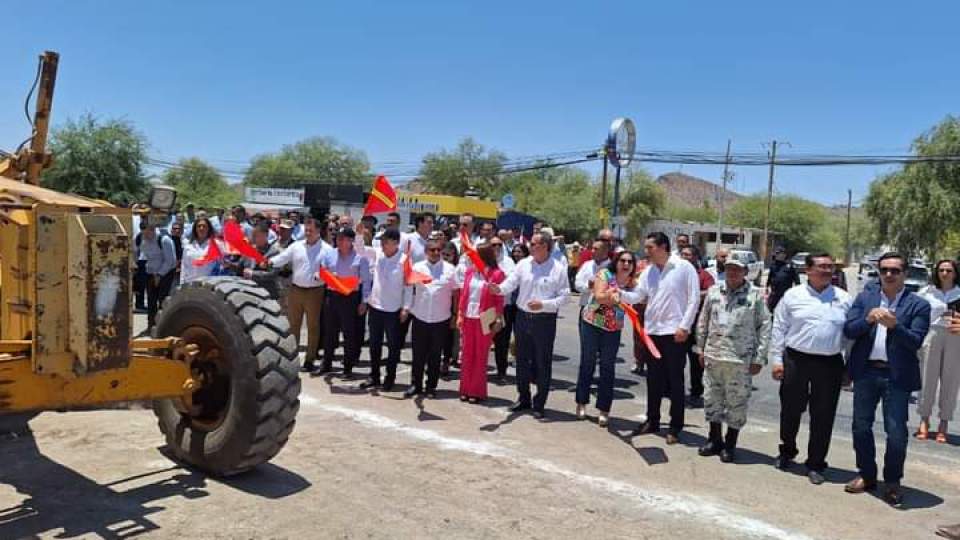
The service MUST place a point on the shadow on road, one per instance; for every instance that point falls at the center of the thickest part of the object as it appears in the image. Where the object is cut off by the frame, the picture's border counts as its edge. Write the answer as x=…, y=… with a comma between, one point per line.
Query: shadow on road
x=57, y=498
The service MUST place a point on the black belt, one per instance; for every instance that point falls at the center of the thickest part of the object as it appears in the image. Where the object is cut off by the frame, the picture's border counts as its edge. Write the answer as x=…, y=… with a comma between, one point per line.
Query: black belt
x=306, y=288
x=878, y=364
x=537, y=315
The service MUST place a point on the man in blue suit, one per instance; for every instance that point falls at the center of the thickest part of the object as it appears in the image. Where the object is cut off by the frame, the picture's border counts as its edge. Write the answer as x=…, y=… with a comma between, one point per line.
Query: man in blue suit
x=888, y=324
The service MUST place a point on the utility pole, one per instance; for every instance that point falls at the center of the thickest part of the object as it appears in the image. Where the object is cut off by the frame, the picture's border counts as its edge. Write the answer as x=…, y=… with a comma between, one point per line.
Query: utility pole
x=848, y=255
x=603, y=189
x=766, y=219
x=723, y=196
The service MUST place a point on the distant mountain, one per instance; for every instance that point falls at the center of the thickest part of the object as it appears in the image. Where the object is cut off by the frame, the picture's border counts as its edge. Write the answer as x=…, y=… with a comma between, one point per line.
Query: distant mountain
x=687, y=191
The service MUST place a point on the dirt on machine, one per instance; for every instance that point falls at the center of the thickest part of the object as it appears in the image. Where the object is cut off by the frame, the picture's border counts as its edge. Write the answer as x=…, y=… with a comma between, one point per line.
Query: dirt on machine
x=222, y=371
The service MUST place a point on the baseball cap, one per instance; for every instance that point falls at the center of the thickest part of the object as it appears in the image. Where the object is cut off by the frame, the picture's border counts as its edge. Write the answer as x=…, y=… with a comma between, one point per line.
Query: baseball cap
x=735, y=262
x=286, y=223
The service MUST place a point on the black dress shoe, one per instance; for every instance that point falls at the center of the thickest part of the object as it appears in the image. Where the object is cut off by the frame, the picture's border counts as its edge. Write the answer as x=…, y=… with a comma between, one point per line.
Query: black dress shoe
x=412, y=391
x=646, y=428
x=324, y=369
x=784, y=462
x=712, y=448
x=518, y=406
x=538, y=414
x=432, y=394
x=727, y=455
x=308, y=367
x=816, y=477
x=387, y=386
x=370, y=383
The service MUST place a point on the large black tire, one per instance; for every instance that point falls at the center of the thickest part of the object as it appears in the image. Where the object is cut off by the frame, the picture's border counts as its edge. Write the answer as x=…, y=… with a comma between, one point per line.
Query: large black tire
x=246, y=409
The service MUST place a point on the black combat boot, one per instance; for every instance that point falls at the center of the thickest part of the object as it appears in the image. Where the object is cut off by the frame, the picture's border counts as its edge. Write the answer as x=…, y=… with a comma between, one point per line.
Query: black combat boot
x=730, y=446
x=714, y=444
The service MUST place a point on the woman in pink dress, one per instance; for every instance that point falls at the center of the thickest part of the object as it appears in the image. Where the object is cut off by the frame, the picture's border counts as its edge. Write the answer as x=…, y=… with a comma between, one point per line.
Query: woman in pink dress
x=476, y=305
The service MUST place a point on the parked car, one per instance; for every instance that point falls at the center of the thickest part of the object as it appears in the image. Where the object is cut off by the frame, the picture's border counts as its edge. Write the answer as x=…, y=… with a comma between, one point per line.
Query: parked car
x=799, y=261
x=917, y=277
x=754, y=264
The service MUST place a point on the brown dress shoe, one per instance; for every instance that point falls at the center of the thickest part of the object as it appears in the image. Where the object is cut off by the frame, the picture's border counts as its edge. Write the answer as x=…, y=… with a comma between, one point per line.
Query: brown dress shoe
x=951, y=532
x=893, y=494
x=859, y=485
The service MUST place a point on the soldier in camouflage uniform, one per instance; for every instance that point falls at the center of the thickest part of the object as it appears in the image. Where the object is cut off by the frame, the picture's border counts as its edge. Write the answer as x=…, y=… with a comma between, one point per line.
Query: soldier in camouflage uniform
x=732, y=337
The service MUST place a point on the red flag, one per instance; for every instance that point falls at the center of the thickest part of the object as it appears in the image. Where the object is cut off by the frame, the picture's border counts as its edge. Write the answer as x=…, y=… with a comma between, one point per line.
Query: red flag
x=382, y=197
x=410, y=276
x=233, y=235
x=471, y=252
x=213, y=254
x=635, y=319
x=342, y=285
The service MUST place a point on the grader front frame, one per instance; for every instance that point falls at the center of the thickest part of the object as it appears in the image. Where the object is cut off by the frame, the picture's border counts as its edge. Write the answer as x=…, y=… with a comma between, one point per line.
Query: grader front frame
x=223, y=374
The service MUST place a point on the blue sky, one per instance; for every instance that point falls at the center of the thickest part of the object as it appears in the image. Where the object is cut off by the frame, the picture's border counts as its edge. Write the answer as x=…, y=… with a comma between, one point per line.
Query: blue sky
x=229, y=80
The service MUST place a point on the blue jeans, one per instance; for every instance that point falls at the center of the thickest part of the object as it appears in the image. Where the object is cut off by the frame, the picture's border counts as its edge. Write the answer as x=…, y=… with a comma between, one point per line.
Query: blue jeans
x=875, y=387
x=596, y=342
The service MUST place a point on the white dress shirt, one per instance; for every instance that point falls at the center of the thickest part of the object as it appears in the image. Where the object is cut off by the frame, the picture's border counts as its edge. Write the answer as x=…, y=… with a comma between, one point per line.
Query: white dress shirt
x=433, y=302
x=193, y=251
x=809, y=322
x=387, y=293
x=506, y=264
x=879, y=350
x=583, y=282
x=546, y=282
x=418, y=246
x=672, y=296
x=305, y=260
x=939, y=302
x=473, y=297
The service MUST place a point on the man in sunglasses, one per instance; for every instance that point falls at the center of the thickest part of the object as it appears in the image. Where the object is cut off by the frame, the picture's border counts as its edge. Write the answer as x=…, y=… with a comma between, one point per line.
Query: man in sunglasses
x=888, y=324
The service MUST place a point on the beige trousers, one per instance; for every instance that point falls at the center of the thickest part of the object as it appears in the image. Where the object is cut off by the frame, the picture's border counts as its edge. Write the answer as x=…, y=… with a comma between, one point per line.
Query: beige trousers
x=309, y=302
x=940, y=364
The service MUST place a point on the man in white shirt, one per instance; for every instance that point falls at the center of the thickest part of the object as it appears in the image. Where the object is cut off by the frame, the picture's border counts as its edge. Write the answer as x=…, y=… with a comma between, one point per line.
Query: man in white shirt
x=159, y=252
x=432, y=306
x=387, y=311
x=671, y=289
x=719, y=270
x=805, y=346
x=343, y=312
x=417, y=244
x=466, y=226
x=543, y=289
x=305, y=295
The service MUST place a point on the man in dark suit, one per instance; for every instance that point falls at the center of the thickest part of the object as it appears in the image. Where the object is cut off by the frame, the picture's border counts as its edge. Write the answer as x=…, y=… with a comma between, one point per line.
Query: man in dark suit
x=888, y=324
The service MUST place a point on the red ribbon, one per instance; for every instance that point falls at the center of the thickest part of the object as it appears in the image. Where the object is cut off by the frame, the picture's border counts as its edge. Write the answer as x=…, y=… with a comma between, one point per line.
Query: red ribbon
x=471, y=252
x=236, y=240
x=411, y=276
x=342, y=285
x=213, y=254
x=644, y=337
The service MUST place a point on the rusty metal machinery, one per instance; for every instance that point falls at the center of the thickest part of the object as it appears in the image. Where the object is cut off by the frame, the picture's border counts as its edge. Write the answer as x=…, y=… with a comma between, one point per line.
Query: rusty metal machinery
x=66, y=324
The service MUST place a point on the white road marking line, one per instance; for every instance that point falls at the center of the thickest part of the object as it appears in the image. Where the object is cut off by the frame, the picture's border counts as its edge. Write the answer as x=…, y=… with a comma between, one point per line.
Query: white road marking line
x=693, y=506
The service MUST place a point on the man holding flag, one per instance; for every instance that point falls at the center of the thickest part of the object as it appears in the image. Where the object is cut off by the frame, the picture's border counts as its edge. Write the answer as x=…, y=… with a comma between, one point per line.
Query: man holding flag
x=306, y=293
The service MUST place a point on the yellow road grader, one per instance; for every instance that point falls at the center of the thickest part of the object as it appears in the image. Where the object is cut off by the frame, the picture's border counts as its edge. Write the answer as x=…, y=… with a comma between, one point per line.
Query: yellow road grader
x=222, y=371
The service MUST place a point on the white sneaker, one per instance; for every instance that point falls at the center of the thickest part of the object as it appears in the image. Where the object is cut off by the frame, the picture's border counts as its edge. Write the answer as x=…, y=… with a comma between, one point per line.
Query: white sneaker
x=602, y=419
x=581, y=412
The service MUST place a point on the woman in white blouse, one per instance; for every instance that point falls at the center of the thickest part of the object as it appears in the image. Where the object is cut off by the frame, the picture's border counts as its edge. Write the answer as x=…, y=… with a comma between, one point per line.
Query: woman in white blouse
x=940, y=353
x=195, y=249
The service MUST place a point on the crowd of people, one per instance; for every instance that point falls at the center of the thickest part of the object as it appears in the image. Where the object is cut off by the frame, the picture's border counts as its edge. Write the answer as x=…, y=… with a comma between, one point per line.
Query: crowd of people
x=888, y=342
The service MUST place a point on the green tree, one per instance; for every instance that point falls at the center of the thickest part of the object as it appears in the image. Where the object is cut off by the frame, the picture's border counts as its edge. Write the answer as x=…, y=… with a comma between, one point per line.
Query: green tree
x=796, y=220
x=199, y=183
x=469, y=165
x=318, y=159
x=915, y=208
x=643, y=200
x=98, y=158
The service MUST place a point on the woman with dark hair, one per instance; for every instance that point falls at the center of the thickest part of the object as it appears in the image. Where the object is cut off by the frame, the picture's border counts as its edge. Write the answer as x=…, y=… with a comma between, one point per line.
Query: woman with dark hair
x=600, y=336
x=519, y=252
x=451, y=347
x=201, y=235
x=940, y=355
x=480, y=317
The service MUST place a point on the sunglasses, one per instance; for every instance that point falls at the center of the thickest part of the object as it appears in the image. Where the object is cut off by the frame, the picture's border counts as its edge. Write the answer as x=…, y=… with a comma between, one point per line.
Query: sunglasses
x=891, y=271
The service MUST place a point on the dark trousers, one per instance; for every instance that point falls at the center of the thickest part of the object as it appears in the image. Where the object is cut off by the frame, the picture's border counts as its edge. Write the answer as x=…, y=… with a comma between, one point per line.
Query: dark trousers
x=404, y=330
x=597, y=345
x=696, y=370
x=340, y=315
x=501, y=343
x=140, y=279
x=158, y=287
x=384, y=322
x=428, y=340
x=814, y=380
x=665, y=379
x=535, y=335
x=868, y=391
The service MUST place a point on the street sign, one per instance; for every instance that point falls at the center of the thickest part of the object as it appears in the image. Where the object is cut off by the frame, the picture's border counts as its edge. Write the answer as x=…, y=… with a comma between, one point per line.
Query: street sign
x=290, y=197
x=507, y=201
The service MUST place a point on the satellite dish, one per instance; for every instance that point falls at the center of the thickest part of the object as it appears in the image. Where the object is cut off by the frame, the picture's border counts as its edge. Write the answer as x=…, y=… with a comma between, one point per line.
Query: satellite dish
x=621, y=142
